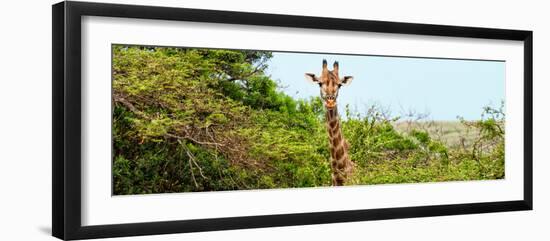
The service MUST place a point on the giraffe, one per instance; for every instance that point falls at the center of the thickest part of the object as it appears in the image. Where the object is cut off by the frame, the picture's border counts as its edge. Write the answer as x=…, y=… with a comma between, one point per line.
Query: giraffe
x=329, y=83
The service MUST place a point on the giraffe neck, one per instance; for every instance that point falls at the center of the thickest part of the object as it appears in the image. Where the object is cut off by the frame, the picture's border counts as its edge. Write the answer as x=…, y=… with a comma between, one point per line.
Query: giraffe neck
x=340, y=163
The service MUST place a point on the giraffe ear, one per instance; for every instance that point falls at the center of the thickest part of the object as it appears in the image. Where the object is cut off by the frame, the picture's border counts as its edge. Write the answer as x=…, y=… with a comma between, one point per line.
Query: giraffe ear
x=346, y=80
x=312, y=78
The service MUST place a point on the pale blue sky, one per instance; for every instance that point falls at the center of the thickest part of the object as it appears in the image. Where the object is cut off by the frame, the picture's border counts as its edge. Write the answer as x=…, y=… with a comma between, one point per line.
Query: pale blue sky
x=444, y=88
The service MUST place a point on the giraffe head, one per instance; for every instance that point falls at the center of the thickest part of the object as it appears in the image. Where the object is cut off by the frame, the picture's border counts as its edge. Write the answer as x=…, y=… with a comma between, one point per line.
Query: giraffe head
x=329, y=83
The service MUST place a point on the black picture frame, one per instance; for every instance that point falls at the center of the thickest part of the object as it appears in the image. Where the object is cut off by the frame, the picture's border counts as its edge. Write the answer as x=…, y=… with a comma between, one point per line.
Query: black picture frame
x=66, y=127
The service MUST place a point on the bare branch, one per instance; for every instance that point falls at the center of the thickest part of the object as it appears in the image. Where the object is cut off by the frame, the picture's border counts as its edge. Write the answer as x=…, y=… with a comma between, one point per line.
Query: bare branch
x=193, y=140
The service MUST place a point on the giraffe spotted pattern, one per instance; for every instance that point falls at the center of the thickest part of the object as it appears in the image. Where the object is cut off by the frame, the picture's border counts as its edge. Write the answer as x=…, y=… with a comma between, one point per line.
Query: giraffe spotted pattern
x=330, y=83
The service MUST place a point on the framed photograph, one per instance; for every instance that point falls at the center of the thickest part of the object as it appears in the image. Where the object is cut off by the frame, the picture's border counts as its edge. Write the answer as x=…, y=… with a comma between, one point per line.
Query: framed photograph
x=169, y=120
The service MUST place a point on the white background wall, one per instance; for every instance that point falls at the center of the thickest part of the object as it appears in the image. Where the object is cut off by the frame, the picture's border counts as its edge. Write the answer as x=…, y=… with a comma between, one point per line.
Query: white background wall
x=25, y=119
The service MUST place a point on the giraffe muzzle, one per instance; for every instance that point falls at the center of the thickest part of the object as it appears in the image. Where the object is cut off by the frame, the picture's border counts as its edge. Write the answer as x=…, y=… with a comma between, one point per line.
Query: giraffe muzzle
x=330, y=103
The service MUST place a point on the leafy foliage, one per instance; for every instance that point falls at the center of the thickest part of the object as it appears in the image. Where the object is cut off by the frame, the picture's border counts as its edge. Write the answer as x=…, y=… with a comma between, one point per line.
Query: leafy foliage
x=206, y=120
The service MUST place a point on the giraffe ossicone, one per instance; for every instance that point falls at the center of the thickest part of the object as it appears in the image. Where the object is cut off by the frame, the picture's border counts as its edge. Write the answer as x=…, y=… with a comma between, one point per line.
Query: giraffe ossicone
x=329, y=83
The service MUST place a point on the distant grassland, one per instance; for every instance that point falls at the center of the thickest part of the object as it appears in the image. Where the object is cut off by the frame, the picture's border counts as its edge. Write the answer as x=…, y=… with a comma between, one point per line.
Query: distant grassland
x=453, y=134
